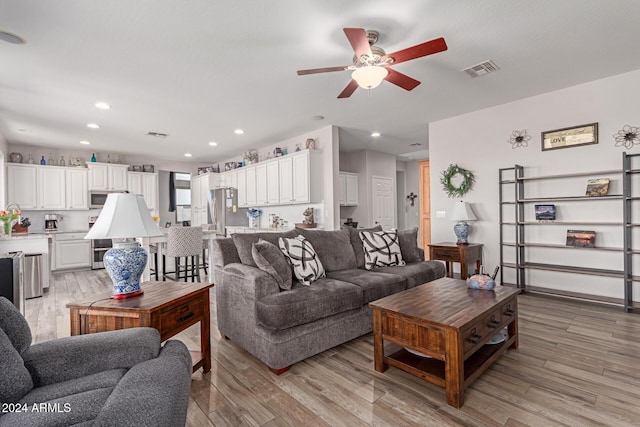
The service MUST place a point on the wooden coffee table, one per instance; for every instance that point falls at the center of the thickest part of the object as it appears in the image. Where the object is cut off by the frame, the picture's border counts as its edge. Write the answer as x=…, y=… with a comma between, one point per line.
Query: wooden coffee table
x=169, y=307
x=450, y=323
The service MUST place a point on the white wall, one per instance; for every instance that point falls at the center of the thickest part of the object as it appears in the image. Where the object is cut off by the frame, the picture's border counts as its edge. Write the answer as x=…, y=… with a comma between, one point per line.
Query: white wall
x=478, y=141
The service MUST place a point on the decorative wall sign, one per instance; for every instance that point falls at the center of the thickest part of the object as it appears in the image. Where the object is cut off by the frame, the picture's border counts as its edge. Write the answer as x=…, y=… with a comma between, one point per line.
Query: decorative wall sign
x=570, y=137
x=627, y=136
x=456, y=181
x=519, y=138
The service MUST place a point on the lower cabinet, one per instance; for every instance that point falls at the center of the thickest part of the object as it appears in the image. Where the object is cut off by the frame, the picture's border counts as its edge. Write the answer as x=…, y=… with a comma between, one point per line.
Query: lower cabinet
x=71, y=251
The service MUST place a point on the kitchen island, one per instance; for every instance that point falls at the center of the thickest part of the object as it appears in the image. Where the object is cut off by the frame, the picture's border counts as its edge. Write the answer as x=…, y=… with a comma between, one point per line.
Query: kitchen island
x=30, y=243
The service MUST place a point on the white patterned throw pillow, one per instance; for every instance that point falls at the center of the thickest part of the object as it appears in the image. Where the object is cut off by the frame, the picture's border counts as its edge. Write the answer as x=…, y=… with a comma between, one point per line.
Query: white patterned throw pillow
x=306, y=264
x=381, y=249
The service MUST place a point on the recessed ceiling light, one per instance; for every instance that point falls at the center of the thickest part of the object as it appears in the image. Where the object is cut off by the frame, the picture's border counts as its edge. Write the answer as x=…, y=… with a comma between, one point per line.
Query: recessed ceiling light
x=103, y=105
x=85, y=142
x=318, y=117
x=12, y=38
x=213, y=144
x=375, y=134
x=187, y=154
x=93, y=125
x=238, y=131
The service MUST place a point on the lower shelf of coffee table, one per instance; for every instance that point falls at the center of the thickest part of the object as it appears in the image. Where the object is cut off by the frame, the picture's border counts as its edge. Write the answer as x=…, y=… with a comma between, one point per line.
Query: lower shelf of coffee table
x=433, y=370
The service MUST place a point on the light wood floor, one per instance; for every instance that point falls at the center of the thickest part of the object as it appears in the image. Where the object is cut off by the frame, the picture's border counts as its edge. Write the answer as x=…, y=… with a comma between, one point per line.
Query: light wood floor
x=577, y=365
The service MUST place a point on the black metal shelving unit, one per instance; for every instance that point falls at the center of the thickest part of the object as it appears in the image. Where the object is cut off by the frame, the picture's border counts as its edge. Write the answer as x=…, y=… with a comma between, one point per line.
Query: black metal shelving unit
x=512, y=183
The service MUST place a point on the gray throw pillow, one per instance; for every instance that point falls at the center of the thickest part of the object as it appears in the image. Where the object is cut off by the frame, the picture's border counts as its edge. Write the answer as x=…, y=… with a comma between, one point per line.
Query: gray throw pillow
x=269, y=258
x=356, y=243
x=15, y=379
x=409, y=245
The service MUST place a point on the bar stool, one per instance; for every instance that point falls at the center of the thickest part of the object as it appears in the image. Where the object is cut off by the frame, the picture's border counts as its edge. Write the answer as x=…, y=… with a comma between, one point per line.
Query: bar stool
x=153, y=249
x=183, y=242
x=205, y=247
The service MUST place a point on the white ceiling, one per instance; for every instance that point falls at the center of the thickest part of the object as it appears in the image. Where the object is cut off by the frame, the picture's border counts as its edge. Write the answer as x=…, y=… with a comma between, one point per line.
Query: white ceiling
x=199, y=69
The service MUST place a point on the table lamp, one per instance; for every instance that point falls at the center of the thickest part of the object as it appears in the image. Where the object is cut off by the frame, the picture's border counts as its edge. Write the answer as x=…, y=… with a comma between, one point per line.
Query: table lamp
x=462, y=213
x=123, y=218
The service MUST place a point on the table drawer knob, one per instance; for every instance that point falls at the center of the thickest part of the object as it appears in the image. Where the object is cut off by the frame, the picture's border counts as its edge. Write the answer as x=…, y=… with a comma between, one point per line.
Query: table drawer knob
x=493, y=324
x=185, y=317
x=510, y=312
x=474, y=339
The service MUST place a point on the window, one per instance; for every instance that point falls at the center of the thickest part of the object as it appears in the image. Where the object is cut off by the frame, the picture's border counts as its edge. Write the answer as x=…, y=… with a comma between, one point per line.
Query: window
x=183, y=197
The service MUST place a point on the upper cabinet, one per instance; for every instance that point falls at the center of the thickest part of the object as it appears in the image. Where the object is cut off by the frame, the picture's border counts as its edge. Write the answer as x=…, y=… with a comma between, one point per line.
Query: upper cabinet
x=107, y=176
x=144, y=183
x=300, y=177
x=348, y=189
x=35, y=187
x=229, y=179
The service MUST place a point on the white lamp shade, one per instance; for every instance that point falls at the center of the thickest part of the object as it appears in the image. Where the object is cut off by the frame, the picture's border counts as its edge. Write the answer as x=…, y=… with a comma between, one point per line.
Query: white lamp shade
x=123, y=216
x=462, y=212
x=370, y=76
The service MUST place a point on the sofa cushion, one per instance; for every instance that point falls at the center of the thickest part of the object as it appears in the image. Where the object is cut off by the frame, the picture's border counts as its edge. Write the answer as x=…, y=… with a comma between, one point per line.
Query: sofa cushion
x=333, y=247
x=381, y=249
x=304, y=304
x=409, y=245
x=105, y=379
x=244, y=243
x=15, y=379
x=416, y=273
x=306, y=264
x=270, y=258
x=356, y=243
x=374, y=284
x=14, y=325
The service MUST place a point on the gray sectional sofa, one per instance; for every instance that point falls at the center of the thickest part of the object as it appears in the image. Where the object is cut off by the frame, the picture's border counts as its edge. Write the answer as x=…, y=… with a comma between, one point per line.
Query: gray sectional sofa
x=117, y=378
x=282, y=327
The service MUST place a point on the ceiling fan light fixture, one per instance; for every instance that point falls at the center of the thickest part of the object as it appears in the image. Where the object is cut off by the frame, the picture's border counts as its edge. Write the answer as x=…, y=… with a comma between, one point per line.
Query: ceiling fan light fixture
x=369, y=77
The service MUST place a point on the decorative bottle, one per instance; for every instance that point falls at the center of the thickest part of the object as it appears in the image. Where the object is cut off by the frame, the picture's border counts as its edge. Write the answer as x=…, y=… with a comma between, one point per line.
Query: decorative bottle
x=30, y=159
x=50, y=161
x=93, y=157
x=62, y=161
x=43, y=161
x=108, y=158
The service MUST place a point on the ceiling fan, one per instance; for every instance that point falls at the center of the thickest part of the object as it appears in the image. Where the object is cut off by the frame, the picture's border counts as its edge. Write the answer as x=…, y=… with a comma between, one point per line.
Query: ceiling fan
x=371, y=64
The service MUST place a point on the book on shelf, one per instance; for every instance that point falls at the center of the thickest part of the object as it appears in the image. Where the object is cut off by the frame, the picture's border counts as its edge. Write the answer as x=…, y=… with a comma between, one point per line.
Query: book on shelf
x=597, y=186
x=545, y=212
x=581, y=238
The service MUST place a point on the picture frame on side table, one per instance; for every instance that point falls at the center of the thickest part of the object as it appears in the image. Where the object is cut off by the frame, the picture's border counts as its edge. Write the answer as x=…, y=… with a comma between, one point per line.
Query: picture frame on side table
x=570, y=137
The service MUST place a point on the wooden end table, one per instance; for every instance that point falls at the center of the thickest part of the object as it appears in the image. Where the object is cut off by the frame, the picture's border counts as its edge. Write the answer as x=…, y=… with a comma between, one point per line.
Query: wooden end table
x=169, y=307
x=451, y=252
x=451, y=326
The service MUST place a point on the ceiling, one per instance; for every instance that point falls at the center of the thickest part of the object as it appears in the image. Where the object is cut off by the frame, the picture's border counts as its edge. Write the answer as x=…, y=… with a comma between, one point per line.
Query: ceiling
x=197, y=70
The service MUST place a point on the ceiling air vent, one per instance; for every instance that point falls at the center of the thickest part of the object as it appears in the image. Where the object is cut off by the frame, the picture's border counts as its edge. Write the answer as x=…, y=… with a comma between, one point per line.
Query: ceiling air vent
x=481, y=69
x=415, y=144
x=158, y=134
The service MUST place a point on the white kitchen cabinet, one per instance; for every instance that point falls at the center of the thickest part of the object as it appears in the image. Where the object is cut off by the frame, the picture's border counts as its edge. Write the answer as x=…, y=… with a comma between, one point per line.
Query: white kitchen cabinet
x=51, y=188
x=229, y=179
x=273, y=182
x=107, y=176
x=76, y=185
x=144, y=183
x=200, y=186
x=22, y=184
x=261, y=184
x=241, y=176
x=71, y=251
x=348, y=189
x=301, y=177
x=251, y=185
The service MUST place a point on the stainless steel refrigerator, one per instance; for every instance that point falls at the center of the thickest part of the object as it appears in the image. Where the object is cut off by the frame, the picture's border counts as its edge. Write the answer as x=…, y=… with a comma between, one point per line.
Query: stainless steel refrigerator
x=223, y=210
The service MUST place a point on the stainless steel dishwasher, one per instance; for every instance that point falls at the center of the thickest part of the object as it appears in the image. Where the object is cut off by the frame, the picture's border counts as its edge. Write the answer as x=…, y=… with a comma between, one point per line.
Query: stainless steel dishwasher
x=33, y=275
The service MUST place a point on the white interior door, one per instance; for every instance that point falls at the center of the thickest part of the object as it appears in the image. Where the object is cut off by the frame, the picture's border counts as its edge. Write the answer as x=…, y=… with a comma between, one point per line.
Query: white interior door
x=383, y=202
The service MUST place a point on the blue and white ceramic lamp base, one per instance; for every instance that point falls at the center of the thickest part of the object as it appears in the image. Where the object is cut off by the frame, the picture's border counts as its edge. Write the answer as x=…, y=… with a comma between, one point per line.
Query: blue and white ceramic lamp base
x=462, y=232
x=125, y=263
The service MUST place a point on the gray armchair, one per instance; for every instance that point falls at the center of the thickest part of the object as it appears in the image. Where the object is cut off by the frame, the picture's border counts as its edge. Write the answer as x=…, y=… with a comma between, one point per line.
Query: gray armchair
x=122, y=378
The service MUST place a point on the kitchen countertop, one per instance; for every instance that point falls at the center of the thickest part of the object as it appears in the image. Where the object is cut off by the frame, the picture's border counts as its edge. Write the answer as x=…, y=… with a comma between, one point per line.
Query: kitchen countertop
x=26, y=236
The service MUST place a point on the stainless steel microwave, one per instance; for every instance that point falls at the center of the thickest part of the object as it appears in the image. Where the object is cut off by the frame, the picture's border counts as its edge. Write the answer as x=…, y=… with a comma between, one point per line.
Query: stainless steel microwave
x=97, y=199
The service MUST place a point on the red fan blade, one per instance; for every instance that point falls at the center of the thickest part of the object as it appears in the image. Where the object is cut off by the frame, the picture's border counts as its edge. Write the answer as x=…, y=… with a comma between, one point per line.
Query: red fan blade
x=322, y=70
x=359, y=41
x=348, y=91
x=402, y=80
x=418, y=51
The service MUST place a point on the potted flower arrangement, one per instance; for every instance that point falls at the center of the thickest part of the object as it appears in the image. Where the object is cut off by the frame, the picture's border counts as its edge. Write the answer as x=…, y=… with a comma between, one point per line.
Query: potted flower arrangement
x=254, y=217
x=8, y=218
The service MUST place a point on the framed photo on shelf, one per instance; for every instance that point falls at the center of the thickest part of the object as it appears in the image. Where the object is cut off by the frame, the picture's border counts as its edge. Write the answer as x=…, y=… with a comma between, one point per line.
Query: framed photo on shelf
x=545, y=212
x=597, y=186
x=570, y=137
x=581, y=238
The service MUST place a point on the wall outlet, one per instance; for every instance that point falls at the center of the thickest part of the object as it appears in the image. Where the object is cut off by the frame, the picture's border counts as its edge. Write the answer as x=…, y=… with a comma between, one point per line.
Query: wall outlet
x=441, y=214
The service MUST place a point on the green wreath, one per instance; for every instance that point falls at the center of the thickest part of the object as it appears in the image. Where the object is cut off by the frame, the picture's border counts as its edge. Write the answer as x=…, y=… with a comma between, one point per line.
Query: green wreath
x=466, y=184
